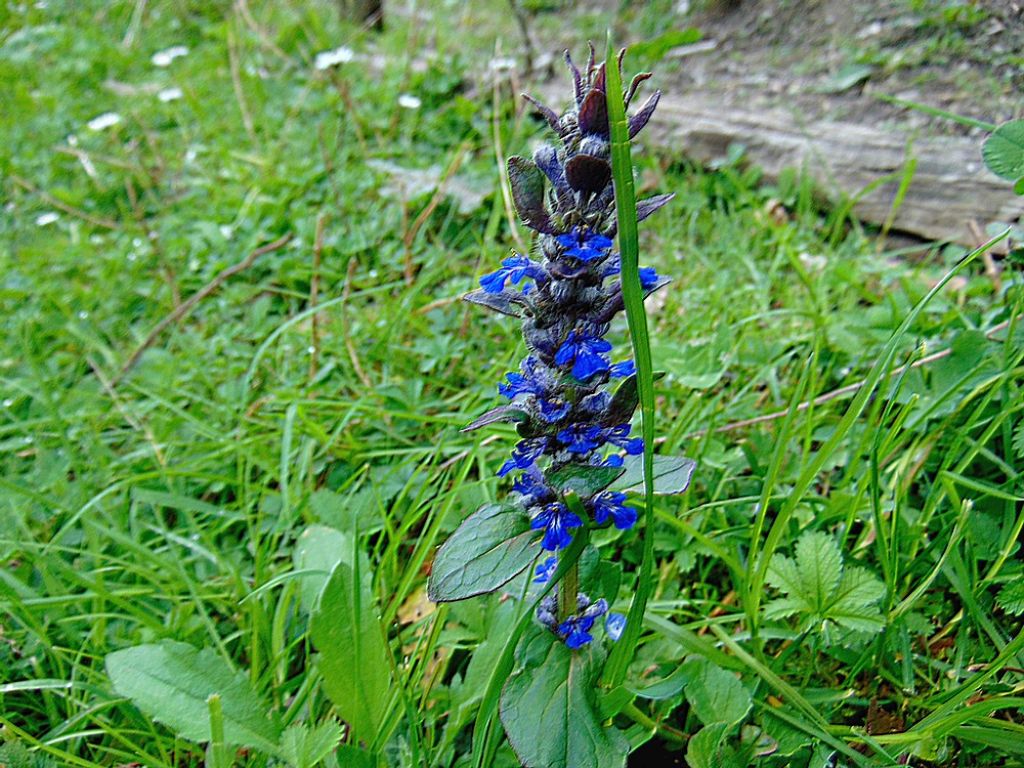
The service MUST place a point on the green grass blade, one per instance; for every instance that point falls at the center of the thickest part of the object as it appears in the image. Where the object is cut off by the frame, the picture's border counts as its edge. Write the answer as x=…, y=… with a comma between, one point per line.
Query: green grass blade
x=629, y=249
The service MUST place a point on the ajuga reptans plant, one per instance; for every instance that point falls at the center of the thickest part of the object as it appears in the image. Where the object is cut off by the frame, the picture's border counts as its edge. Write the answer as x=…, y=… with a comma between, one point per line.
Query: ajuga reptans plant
x=576, y=461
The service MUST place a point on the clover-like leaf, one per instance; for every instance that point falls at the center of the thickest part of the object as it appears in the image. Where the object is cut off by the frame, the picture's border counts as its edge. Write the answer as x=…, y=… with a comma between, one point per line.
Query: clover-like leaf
x=1003, y=151
x=818, y=587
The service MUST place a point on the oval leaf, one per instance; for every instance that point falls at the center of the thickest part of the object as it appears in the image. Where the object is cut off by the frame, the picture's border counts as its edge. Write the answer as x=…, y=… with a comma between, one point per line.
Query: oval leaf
x=583, y=479
x=526, y=181
x=346, y=630
x=672, y=475
x=549, y=710
x=171, y=681
x=490, y=548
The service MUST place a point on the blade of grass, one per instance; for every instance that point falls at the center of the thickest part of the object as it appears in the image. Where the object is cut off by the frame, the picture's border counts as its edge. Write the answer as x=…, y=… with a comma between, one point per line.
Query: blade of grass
x=629, y=250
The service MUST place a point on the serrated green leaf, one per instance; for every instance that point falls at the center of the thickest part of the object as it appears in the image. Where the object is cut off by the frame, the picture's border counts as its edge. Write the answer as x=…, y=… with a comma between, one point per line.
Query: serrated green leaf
x=550, y=712
x=346, y=630
x=820, y=590
x=584, y=479
x=304, y=747
x=672, y=475
x=171, y=681
x=490, y=548
x=1003, y=151
x=715, y=695
x=1011, y=598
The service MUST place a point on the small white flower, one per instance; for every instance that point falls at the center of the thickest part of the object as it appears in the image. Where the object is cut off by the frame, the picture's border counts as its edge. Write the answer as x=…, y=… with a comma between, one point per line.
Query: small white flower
x=104, y=121
x=502, y=64
x=83, y=315
x=226, y=231
x=408, y=101
x=165, y=57
x=46, y=218
x=327, y=59
x=169, y=94
x=8, y=402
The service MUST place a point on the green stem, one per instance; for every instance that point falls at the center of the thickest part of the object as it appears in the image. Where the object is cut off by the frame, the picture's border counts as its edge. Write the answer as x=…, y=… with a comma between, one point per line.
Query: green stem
x=568, y=588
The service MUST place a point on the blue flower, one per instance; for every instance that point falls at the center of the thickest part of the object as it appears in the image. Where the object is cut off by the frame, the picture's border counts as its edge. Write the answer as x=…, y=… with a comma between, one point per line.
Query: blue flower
x=623, y=369
x=525, y=383
x=648, y=278
x=584, y=245
x=581, y=438
x=552, y=410
x=513, y=269
x=524, y=454
x=619, y=436
x=585, y=353
x=612, y=504
x=614, y=625
x=576, y=629
x=545, y=570
x=531, y=486
x=557, y=521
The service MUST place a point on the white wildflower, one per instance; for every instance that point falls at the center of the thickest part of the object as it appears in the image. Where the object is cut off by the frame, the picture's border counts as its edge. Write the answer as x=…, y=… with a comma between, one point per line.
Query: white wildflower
x=165, y=57
x=169, y=94
x=408, y=101
x=104, y=121
x=328, y=59
x=46, y=218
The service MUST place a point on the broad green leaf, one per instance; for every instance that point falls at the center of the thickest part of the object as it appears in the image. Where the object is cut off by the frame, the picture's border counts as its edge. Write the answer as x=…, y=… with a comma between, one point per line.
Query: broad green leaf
x=304, y=746
x=709, y=748
x=550, y=712
x=346, y=630
x=171, y=681
x=583, y=479
x=490, y=548
x=818, y=588
x=667, y=687
x=715, y=695
x=672, y=475
x=317, y=551
x=1003, y=151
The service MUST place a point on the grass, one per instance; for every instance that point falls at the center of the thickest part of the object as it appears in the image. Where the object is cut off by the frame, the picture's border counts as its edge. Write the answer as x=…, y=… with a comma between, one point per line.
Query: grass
x=324, y=385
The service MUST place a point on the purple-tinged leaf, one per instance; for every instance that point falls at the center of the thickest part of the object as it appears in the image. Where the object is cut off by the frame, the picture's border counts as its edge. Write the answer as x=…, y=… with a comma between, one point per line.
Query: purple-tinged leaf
x=639, y=120
x=645, y=208
x=588, y=174
x=593, y=115
x=549, y=114
x=504, y=302
x=527, y=183
x=495, y=415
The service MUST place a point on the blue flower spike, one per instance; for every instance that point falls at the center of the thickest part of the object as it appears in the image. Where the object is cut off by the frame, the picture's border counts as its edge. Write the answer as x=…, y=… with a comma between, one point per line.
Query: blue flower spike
x=567, y=291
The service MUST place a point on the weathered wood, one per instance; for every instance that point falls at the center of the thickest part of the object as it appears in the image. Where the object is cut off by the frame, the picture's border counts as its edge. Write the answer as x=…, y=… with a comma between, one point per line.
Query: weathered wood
x=951, y=186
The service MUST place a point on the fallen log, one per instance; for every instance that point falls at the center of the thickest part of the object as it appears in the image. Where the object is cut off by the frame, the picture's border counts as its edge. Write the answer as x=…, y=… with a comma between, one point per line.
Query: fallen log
x=950, y=187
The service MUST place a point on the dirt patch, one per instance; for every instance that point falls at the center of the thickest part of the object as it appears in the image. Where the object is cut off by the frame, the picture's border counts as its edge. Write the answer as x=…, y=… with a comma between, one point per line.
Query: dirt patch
x=837, y=59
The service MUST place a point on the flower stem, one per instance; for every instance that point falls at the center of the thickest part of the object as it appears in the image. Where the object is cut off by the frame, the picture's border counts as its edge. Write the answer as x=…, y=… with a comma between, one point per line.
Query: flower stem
x=567, y=590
